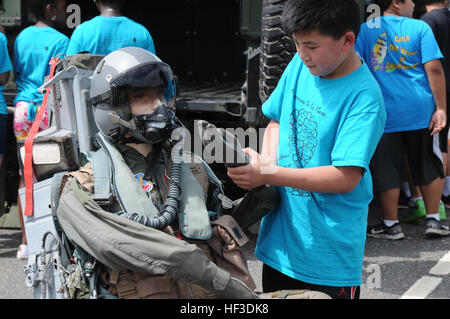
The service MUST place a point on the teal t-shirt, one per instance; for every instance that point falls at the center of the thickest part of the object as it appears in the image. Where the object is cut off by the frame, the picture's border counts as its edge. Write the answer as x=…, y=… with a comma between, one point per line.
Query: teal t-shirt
x=396, y=52
x=314, y=237
x=33, y=49
x=103, y=35
x=5, y=66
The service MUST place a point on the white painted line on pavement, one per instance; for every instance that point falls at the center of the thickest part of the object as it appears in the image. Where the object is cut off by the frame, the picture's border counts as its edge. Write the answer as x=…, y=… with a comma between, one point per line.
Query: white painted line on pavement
x=425, y=285
x=422, y=288
x=442, y=267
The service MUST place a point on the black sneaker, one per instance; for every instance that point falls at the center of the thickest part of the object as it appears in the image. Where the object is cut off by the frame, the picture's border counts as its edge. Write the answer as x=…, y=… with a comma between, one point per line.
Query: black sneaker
x=434, y=228
x=380, y=230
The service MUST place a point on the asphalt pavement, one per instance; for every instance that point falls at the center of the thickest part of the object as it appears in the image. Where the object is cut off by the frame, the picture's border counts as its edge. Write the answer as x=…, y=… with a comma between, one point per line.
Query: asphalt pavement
x=411, y=268
x=12, y=283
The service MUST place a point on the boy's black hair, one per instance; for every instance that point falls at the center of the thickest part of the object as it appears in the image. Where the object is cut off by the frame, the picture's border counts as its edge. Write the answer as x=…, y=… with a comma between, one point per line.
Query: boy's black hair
x=37, y=7
x=329, y=17
x=385, y=4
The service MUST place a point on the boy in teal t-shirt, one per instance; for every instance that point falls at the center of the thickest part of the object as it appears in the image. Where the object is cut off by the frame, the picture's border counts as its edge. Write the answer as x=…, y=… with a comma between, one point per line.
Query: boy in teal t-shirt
x=109, y=31
x=327, y=115
x=405, y=59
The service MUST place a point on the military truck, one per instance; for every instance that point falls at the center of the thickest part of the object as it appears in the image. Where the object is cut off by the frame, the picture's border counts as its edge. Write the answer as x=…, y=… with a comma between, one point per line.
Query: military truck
x=228, y=56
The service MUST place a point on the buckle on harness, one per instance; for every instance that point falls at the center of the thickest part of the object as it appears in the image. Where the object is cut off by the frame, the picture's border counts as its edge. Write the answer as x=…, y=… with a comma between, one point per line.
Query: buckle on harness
x=226, y=202
x=103, y=199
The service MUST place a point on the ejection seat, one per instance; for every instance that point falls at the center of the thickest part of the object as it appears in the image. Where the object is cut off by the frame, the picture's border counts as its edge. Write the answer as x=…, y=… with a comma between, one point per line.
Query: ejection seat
x=67, y=146
x=61, y=148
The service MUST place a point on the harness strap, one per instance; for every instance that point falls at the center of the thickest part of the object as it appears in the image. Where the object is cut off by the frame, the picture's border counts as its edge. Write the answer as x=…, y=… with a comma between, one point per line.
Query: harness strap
x=102, y=175
x=28, y=165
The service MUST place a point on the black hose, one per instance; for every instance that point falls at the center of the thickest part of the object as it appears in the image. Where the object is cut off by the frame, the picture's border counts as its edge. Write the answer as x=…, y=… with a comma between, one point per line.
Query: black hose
x=173, y=197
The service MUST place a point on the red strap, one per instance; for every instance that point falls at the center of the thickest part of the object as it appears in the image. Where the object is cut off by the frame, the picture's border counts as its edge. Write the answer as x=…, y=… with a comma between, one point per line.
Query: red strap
x=28, y=165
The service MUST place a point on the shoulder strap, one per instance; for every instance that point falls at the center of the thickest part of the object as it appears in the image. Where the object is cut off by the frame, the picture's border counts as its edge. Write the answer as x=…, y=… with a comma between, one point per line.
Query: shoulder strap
x=217, y=200
x=113, y=176
x=193, y=216
x=28, y=169
x=212, y=177
x=102, y=175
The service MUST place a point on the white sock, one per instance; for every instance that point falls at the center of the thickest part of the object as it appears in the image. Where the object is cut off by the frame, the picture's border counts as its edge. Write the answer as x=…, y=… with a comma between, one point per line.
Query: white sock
x=415, y=199
x=390, y=223
x=406, y=189
x=446, y=191
x=435, y=216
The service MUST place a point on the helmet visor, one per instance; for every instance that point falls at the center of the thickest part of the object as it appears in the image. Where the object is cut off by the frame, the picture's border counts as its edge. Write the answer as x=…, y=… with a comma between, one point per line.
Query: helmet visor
x=152, y=74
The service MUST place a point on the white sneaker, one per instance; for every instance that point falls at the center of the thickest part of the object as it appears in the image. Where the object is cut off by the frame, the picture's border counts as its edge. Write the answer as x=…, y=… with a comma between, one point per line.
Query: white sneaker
x=22, y=252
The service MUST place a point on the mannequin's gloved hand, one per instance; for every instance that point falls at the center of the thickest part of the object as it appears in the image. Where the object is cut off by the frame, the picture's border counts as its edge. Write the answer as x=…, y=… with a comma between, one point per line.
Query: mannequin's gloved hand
x=236, y=289
x=227, y=287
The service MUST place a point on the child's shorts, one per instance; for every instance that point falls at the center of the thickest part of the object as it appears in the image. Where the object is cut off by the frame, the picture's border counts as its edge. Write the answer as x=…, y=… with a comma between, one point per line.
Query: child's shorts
x=422, y=151
x=3, y=134
x=443, y=135
x=22, y=125
x=443, y=138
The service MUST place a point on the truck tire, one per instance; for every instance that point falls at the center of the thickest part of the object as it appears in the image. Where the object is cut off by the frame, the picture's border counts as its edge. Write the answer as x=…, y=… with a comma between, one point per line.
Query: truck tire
x=277, y=49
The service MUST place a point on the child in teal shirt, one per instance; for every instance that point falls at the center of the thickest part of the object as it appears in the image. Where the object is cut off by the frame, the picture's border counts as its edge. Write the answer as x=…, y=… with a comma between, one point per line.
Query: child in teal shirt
x=5, y=67
x=327, y=115
x=33, y=49
x=109, y=31
x=405, y=59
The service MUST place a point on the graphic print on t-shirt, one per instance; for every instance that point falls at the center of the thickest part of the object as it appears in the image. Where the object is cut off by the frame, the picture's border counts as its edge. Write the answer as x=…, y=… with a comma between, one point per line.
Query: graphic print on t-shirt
x=302, y=142
x=381, y=49
x=378, y=53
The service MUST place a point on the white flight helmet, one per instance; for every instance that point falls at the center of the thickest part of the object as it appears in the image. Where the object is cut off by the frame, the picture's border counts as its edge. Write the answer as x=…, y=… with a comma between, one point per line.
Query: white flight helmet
x=119, y=71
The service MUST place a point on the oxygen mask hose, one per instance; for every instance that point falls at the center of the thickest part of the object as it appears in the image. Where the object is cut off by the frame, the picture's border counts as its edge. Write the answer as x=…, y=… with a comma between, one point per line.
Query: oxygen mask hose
x=170, y=211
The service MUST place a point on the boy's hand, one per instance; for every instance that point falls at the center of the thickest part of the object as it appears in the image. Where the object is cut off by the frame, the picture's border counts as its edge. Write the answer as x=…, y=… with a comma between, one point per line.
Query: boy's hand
x=438, y=121
x=254, y=174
